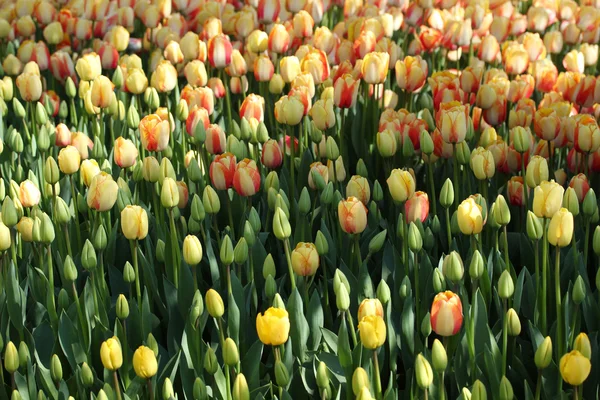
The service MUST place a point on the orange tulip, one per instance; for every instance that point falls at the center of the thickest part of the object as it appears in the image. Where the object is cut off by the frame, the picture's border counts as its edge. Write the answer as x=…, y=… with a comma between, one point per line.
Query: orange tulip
x=352, y=215
x=154, y=133
x=222, y=170
x=417, y=207
x=215, y=139
x=446, y=314
x=246, y=179
x=453, y=121
x=411, y=73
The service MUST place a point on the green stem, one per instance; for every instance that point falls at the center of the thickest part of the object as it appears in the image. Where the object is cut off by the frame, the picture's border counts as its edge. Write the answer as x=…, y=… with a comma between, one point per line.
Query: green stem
x=117, y=386
x=537, y=275
x=286, y=245
x=357, y=253
x=559, y=318
x=455, y=173
x=76, y=211
x=543, y=299
x=292, y=167
x=504, y=338
x=150, y=389
x=377, y=376
x=138, y=290
x=175, y=249
x=417, y=295
x=352, y=329
x=230, y=215
x=448, y=229
x=442, y=387
x=80, y=314
x=586, y=243
x=538, y=386
x=433, y=197
x=506, y=249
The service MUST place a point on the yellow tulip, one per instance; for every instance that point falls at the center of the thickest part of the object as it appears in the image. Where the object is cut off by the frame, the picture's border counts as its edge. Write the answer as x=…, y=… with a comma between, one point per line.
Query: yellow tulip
x=560, y=229
x=273, y=326
x=372, y=331
x=134, y=222
x=470, y=219
x=575, y=368
x=547, y=199
x=144, y=362
x=111, y=354
x=401, y=184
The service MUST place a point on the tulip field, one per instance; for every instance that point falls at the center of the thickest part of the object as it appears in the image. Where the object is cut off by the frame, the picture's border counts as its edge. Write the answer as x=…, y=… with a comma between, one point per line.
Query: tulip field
x=299, y=199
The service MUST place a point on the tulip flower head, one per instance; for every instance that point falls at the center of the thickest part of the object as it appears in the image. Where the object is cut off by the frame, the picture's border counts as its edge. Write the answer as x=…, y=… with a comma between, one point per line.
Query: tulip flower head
x=446, y=314
x=273, y=326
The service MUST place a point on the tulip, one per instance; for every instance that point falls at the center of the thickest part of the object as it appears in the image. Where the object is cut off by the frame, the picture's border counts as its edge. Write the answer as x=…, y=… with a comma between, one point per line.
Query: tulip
x=89, y=67
x=370, y=307
x=537, y=171
x=289, y=110
x=411, y=73
x=453, y=121
x=469, y=216
x=271, y=156
x=446, y=314
x=345, y=91
x=547, y=199
x=30, y=86
x=222, y=171
x=581, y=185
x=352, y=215
x=515, y=191
x=164, y=77
x=215, y=139
x=154, y=133
x=273, y=327
x=102, y=192
x=144, y=362
x=219, y=51
x=386, y=143
x=560, y=229
x=323, y=114
x=125, y=152
x=358, y=187
x=246, y=179
x=305, y=259
x=25, y=228
x=575, y=368
x=417, y=207
x=253, y=107
x=192, y=250
x=195, y=73
x=29, y=194
x=111, y=354
x=372, y=331
x=482, y=163
x=401, y=184
x=375, y=67
x=134, y=222
x=89, y=169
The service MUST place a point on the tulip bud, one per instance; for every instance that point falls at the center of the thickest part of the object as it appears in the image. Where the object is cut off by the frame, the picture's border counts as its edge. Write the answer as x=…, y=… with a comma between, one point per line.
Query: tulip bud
x=199, y=390
x=501, y=212
x=360, y=380
x=24, y=355
x=268, y=266
x=192, y=250
x=214, y=304
x=211, y=364
x=415, y=240
x=211, y=201
x=63, y=301
x=377, y=242
x=281, y=225
x=56, y=371
x=321, y=244
x=332, y=150
x=543, y=354
x=133, y=117
x=383, y=292
x=447, y=194
x=570, y=201
x=426, y=325
x=405, y=289
x=167, y=390
x=128, y=273
x=534, y=226
x=322, y=376
x=51, y=172
x=342, y=299
x=506, y=287
x=579, y=291
x=9, y=213
x=197, y=209
x=40, y=114
x=15, y=395
x=453, y=267
x=477, y=267
x=240, y=388
x=361, y=168
x=226, y=251
x=122, y=307
x=439, y=356
x=240, y=252
x=423, y=372
x=304, y=201
x=70, y=269
x=463, y=153
x=514, y=324
x=478, y=391
x=11, y=358
x=582, y=344
x=270, y=286
x=590, y=203
x=506, y=390
x=426, y=143
x=231, y=355
x=282, y=375
x=87, y=376
x=88, y=256
x=439, y=283
x=327, y=194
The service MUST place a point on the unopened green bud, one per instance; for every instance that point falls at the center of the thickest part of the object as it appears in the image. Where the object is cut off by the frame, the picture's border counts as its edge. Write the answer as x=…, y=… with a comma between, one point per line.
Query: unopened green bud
x=11, y=358
x=408, y=149
x=43, y=139
x=360, y=379
x=122, y=307
x=24, y=355
x=270, y=286
x=321, y=244
x=63, y=110
x=415, y=240
x=9, y=212
x=377, y=191
x=332, y=150
x=570, y=201
x=384, y=293
x=543, y=354
x=281, y=225
x=133, y=117
x=282, y=375
x=423, y=372
x=439, y=283
x=51, y=171
x=211, y=364
x=18, y=108
x=278, y=301
x=327, y=194
x=506, y=390
x=70, y=269
x=342, y=298
x=214, y=303
x=478, y=391
x=428, y=240
x=268, y=266
x=245, y=129
x=590, y=203
x=240, y=252
x=240, y=388
x=304, y=202
x=63, y=301
x=439, y=357
x=340, y=279
x=211, y=201
x=506, y=286
x=262, y=134
x=226, y=251
x=361, y=169
x=453, y=267
x=281, y=201
x=231, y=355
x=405, y=289
x=535, y=229
x=41, y=116
x=582, y=344
x=477, y=266
x=167, y=390
x=316, y=136
x=447, y=194
x=197, y=208
x=88, y=256
x=249, y=234
x=87, y=376
x=56, y=371
x=426, y=325
x=426, y=143
x=579, y=291
x=254, y=220
x=199, y=390
x=15, y=395
x=235, y=129
x=378, y=240
x=128, y=273
x=70, y=88
x=501, y=211
x=514, y=323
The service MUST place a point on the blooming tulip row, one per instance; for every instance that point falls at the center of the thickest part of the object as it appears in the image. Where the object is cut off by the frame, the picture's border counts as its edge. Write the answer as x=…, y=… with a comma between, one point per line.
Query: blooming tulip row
x=299, y=199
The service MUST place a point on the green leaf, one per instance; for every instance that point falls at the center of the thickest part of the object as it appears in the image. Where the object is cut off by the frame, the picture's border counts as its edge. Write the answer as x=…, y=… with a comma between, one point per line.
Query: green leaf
x=343, y=345
x=251, y=363
x=315, y=320
x=233, y=319
x=69, y=342
x=15, y=298
x=331, y=339
x=299, y=325
x=408, y=325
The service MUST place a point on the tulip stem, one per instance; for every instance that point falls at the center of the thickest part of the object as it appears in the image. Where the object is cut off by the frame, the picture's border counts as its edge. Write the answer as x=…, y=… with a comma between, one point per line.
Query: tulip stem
x=507, y=266
x=417, y=295
x=352, y=331
x=286, y=245
x=576, y=393
x=559, y=317
x=138, y=291
x=537, y=275
x=523, y=175
x=357, y=252
x=504, y=338
x=426, y=394
x=432, y=195
x=544, y=280
x=230, y=215
x=586, y=243
x=117, y=386
x=455, y=173
x=442, y=387
x=227, y=100
x=377, y=375
x=80, y=314
x=174, y=249
x=538, y=386
x=75, y=210
x=448, y=229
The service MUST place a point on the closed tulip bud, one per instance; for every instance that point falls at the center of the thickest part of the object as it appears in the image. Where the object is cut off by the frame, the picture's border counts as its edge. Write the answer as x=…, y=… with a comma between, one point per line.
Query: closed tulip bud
x=56, y=371
x=506, y=287
x=332, y=151
x=439, y=282
x=501, y=212
x=439, y=357
x=506, y=390
x=582, y=344
x=199, y=389
x=169, y=194
x=453, y=267
x=270, y=286
x=144, y=362
x=384, y=293
x=240, y=252
x=100, y=240
x=111, y=354
x=534, y=226
x=426, y=326
x=321, y=244
x=304, y=202
x=122, y=307
x=211, y=201
x=11, y=358
x=514, y=324
x=192, y=250
x=376, y=243
x=133, y=117
x=327, y=194
x=167, y=390
x=595, y=241
x=570, y=201
x=386, y=143
x=87, y=376
x=590, y=203
x=377, y=191
x=282, y=375
x=447, y=194
x=446, y=314
x=51, y=172
x=41, y=116
x=88, y=256
x=226, y=251
x=405, y=289
x=560, y=229
x=415, y=240
x=214, y=304
x=575, y=368
x=426, y=143
x=230, y=353
x=579, y=291
x=281, y=225
x=70, y=271
x=129, y=272
x=342, y=298
x=423, y=372
x=477, y=267
x=240, y=388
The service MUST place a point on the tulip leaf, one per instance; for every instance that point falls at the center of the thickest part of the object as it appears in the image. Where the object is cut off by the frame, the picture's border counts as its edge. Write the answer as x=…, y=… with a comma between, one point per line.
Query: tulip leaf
x=71, y=347
x=46, y=382
x=315, y=316
x=343, y=345
x=43, y=338
x=15, y=298
x=233, y=319
x=332, y=254
x=212, y=258
x=331, y=339
x=250, y=363
x=391, y=336
x=408, y=324
x=299, y=325
x=519, y=290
